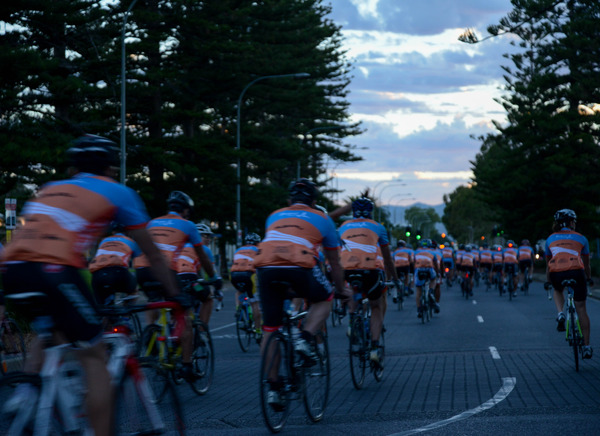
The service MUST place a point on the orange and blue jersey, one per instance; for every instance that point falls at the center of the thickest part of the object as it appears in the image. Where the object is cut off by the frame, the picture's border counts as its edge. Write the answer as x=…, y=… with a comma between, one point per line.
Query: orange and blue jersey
x=293, y=236
x=187, y=262
x=424, y=258
x=361, y=237
x=485, y=256
x=243, y=259
x=402, y=257
x=525, y=253
x=170, y=233
x=467, y=259
x=510, y=255
x=67, y=217
x=564, y=250
x=115, y=250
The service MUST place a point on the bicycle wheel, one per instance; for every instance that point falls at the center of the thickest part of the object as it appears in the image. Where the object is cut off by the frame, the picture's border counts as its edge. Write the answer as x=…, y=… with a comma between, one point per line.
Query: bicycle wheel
x=12, y=347
x=378, y=368
x=336, y=310
x=136, y=333
x=316, y=381
x=357, y=352
x=400, y=299
x=574, y=337
x=17, y=418
x=203, y=358
x=275, y=379
x=136, y=409
x=243, y=329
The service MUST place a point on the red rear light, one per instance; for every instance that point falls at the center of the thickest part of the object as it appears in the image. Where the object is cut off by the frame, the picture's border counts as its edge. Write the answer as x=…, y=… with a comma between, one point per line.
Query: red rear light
x=121, y=329
x=447, y=269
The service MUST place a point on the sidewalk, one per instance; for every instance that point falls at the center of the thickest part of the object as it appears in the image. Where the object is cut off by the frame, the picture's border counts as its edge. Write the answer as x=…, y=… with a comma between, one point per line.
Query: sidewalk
x=593, y=292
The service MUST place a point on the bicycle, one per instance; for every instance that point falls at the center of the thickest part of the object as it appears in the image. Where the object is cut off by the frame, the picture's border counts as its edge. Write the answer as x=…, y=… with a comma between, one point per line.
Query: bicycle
x=360, y=344
x=51, y=402
x=511, y=284
x=573, y=335
x=338, y=311
x=466, y=286
x=498, y=282
x=244, y=324
x=526, y=283
x=283, y=369
x=399, y=291
x=13, y=352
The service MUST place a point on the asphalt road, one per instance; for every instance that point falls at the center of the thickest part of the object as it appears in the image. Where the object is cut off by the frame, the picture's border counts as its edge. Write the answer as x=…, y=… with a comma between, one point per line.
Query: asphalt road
x=482, y=366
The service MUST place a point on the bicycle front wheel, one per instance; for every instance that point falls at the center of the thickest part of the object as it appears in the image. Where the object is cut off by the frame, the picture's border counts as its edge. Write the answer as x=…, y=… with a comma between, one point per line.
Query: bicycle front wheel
x=203, y=358
x=357, y=352
x=378, y=367
x=243, y=329
x=12, y=347
x=276, y=380
x=316, y=381
x=19, y=396
x=137, y=410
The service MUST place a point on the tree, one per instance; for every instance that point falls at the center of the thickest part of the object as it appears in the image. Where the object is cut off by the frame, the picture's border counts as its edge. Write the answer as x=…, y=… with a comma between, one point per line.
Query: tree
x=547, y=157
x=422, y=221
x=466, y=216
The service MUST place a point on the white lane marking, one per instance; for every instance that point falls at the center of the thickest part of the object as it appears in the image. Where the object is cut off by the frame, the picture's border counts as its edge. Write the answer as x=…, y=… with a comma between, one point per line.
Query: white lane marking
x=222, y=327
x=224, y=337
x=474, y=301
x=495, y=353
x=508, y=384
x=479, y=318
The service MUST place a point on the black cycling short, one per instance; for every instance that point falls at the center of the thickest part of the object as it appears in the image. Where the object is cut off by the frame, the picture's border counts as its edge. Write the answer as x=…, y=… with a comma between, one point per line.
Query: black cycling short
x=510, y=267
x=150, y=285
x=580, y=288
x=403, y=270
x=305, y=283
x=242, y=281
x=70, y=301
x=107, y=281
x=370, y=282
x=497, y=267
x=486, y=266
x=524, y=265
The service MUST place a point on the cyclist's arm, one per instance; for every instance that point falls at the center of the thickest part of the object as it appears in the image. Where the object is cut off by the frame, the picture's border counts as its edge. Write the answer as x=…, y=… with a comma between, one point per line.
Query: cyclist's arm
x=337, y=272
x=388, y=262
x=159, y=267
x=586, y=266
x=205, y=261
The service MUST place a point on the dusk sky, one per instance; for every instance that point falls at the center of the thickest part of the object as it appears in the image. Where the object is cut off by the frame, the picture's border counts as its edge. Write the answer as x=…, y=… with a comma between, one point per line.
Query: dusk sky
x=419, y=93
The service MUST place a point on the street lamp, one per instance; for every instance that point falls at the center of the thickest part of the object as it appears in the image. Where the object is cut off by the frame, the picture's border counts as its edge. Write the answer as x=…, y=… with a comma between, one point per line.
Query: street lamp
x=305, y=137
x=123, y=145
x=383, y=181
x=383, y=189
x=238, y=212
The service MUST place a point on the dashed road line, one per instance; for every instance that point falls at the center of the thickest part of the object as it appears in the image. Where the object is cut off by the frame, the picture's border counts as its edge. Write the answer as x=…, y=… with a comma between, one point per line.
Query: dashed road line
x=508, y=384
x=495, y=353
x=222, y=327
x=479, y=318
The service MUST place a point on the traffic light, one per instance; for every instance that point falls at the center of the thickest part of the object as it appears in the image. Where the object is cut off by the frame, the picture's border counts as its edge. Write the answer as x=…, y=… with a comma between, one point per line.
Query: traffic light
x=418, y=235
x=443, y=235
x=407, y=231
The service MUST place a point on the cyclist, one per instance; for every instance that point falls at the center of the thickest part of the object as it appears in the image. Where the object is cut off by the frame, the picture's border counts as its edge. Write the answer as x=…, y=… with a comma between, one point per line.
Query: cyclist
x=402, y=261
x=426, y=264
x=170, y=233
x=437, y=292
x=288, y=253
x=207, y=236
x=448, y=263
x=62, y=222
x=459, y=253
x=525, y=257
x=568, y=257
x=243, y=277
x=110, y=266
x=511, y=263
x=498, y=264
x=468, y=266
x=485, y=261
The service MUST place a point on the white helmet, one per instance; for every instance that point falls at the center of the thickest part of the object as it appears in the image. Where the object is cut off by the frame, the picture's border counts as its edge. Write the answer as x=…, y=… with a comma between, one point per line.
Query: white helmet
x=203, y=229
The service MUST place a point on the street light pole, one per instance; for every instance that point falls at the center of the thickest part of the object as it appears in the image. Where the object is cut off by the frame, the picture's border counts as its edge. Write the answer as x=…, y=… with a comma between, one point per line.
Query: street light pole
x=123, y=144
x=238, y=212
x=381, y=192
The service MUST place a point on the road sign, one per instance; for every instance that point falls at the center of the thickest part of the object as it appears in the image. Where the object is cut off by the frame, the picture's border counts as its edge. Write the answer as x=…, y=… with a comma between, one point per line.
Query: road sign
x=10, y=217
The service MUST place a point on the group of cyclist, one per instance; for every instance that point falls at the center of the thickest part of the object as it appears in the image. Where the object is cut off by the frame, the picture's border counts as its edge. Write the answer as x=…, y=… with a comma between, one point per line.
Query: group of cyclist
x=67, y=218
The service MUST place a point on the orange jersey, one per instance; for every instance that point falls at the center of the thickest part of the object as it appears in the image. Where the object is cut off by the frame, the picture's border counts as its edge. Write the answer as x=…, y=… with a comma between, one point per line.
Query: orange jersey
x=115, y=250
x=243, y=259
x=564, y=250
x=187, y=261
x=510, y=256
x=293, y=237
x=66, y=219
x=361, y=238
x=424, y=258
x=402, y=257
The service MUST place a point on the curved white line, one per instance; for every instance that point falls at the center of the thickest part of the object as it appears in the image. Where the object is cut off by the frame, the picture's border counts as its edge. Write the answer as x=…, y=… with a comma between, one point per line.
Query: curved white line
x=508, y=384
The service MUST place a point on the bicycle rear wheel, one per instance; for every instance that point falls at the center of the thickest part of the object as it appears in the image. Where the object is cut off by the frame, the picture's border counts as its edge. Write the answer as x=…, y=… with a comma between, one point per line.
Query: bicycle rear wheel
x=137, y=410
x=203, y=358
x=316, y=381
x=20, y=419
x=336, y=308
x=275, y=382
x=243, y=329
x=12, y=347
x=357, y=352
x=574, y=338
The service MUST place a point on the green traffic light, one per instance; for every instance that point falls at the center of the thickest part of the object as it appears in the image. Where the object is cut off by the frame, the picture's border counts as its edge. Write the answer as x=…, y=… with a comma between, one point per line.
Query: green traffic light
x=418, y=237
x=407, y=234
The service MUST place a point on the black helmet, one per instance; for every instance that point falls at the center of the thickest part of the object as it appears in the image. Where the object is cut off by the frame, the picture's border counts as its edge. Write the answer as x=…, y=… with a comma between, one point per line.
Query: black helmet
x=362, y=208
x=303, y=190
x=525, y=242
x=116, y=227
x=252, y=239
x=401, y=243
x=93, y=154
x=565, y=216
x=178, y=201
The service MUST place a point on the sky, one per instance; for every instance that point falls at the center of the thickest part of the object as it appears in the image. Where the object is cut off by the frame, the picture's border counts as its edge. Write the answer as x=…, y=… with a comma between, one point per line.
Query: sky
x=419, y=93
